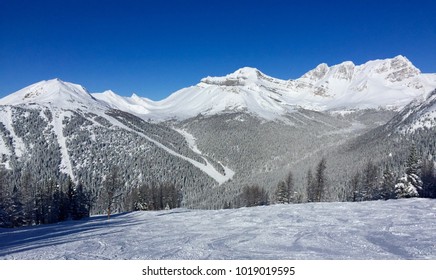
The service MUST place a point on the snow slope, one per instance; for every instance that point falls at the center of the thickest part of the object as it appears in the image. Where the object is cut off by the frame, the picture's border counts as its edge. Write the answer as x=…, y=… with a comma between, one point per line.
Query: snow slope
x=54, y=93
x=394, y=229
x=389, y=83
x=420, y=114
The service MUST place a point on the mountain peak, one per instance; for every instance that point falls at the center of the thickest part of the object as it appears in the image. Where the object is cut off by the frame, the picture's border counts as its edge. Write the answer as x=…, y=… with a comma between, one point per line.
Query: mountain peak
x=246, y=72
x=396, y=69
x=318, y=73
x=240, y=77
x=401, y=58
x=55, y=92
x=109, y=92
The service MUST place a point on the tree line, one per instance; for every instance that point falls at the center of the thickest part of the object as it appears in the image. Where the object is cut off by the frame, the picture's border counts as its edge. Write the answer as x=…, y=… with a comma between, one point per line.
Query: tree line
x=42, y=203
x=371, y=183
x=51, y=202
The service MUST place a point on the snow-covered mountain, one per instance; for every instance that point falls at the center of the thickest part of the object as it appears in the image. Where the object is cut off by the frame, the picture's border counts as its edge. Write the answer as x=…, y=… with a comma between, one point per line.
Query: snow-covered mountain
x=389, y=83
x=54, y=129
x=418, y=114
x=56, y=94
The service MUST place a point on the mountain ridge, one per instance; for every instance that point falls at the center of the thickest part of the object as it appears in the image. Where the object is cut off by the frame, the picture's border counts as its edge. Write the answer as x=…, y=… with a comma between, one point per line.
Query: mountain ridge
x=383, y=83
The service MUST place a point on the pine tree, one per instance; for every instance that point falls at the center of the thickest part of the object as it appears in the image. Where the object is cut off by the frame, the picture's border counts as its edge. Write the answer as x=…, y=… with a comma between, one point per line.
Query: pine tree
x=412, y=165
x=290, y=188
x=285, y=190
x=387, y=184
x=80, y=203
x=428, y=176
x=310, y=186
x=410, y=184
x=282, y=195
x=405, y=188
x=28, y=198
x=4, y=199
x=70, y=197
x=320, y=181
x=17, y=215
x=370, y=182
x=355, y=188
x=111, y=188
x=254, y=196
x=55, y=203
x=141, y=198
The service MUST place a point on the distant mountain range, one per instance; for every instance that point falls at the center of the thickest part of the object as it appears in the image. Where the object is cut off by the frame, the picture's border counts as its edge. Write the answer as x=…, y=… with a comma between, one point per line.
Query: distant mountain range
x=389, y=83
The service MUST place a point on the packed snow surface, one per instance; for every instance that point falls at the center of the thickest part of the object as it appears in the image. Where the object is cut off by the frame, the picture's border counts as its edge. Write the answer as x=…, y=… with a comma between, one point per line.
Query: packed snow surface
x=395, y=229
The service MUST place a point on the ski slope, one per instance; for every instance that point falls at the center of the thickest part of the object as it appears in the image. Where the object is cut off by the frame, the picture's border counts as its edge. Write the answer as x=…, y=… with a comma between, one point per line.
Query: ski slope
x=395, y=229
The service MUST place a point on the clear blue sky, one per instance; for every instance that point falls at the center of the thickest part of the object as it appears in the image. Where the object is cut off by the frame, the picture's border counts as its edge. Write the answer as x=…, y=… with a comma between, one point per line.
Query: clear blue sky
x=154, y=48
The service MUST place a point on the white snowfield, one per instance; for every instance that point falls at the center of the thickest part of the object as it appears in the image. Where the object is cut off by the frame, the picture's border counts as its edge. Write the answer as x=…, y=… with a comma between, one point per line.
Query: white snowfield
x=394, y=229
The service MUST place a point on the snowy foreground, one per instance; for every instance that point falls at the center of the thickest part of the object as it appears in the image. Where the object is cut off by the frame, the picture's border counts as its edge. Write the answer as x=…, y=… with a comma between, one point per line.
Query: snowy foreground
x=397, y=229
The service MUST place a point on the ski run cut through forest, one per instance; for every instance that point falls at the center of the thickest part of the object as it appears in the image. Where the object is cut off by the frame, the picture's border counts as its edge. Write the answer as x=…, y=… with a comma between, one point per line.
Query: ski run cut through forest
x=393, y=229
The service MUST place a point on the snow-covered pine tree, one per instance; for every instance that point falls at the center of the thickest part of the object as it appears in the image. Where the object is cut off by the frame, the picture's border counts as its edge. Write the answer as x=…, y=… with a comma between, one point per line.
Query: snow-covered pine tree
x=285, y=190
x=282, y=195
x=387, y=184
x=410, y=184
x=405, y=188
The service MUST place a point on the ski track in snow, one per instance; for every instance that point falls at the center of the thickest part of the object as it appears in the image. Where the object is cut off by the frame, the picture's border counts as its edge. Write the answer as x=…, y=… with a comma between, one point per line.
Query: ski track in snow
x=394, y=229
x=206, y=168
x=190, y=139
x=65, y=165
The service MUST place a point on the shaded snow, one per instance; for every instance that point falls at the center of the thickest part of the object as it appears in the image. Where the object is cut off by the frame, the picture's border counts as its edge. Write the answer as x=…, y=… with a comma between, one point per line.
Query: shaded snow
x=395, y=229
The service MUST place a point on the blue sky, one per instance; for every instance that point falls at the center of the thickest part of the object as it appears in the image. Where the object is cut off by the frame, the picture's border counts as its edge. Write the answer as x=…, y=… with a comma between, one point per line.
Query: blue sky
x=154, y=48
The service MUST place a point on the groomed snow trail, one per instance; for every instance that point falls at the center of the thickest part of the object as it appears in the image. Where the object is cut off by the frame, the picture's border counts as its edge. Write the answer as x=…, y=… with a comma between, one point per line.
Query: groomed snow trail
x=190, y=139
x=65, y=166
x=206, y=168
x=394, y=229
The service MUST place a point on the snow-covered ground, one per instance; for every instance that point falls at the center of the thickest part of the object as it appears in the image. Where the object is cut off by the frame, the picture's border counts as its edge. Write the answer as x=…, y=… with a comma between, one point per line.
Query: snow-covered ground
x=396, y=229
